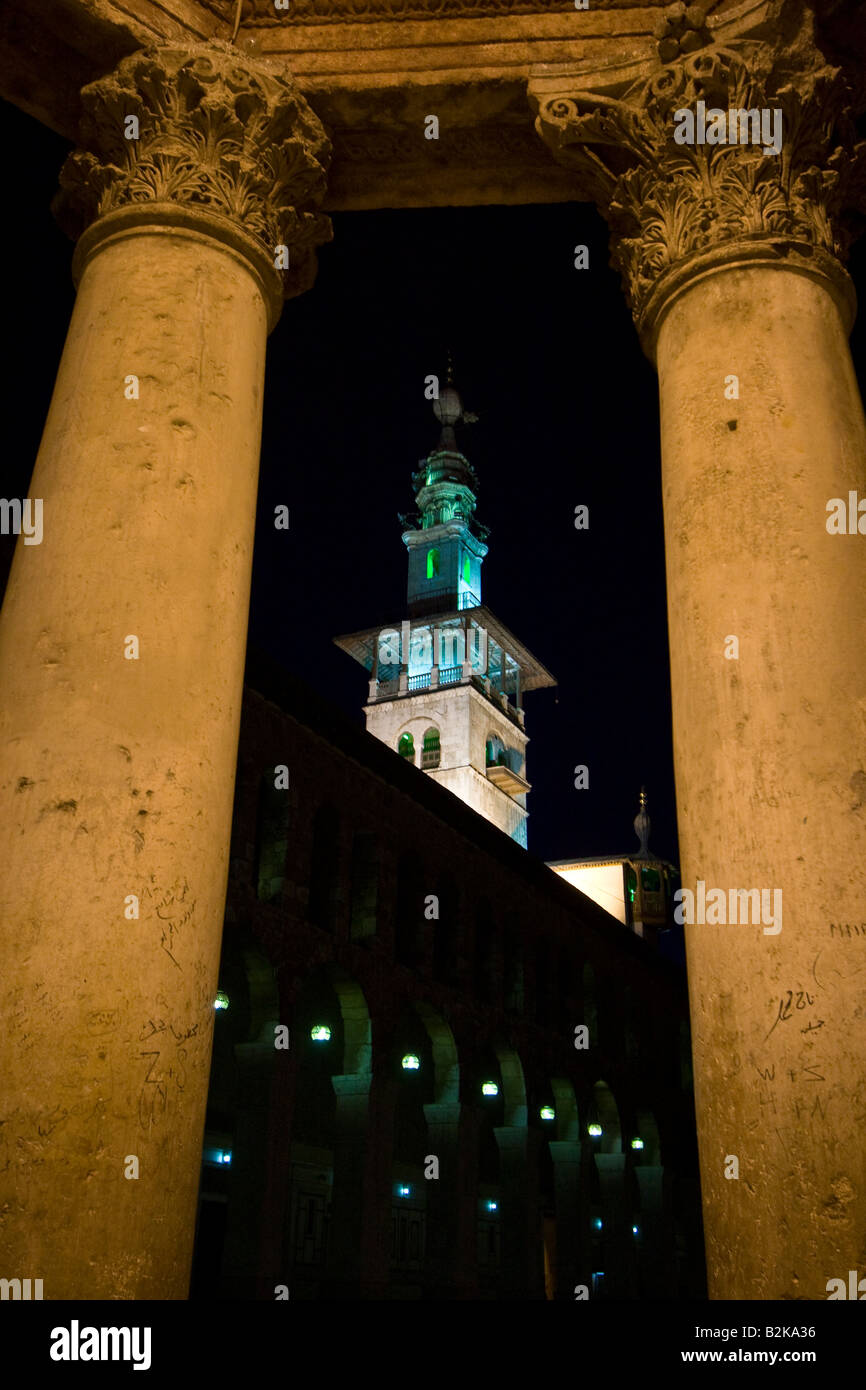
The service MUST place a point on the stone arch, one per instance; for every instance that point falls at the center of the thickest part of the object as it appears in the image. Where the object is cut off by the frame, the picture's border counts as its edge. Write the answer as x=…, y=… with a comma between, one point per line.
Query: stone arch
x=603, y=1110
x=515, y=1108
x=406, y=746
x=446, y=1063
x=494, y=750
x=647, y=1131
x=248, y=983
x=330, y=997
x=324, y=867
x=413, y=1070
x=567, y=1112
x=357, y=1025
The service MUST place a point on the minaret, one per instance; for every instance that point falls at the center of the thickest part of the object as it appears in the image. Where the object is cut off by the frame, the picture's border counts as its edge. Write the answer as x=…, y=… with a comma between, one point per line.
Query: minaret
x=446, y=682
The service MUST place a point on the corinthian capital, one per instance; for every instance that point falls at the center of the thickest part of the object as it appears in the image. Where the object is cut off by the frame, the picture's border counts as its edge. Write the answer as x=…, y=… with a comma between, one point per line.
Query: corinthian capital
x=203, y=130
x=679, y=196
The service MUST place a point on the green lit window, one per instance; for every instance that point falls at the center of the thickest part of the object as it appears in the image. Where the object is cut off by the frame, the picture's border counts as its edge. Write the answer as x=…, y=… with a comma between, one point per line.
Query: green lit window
x=467, y=570
x=432, y=563
x=430, y=750
x=495, y=753
x=630, y=883
x=650, y=881
x=406, y=746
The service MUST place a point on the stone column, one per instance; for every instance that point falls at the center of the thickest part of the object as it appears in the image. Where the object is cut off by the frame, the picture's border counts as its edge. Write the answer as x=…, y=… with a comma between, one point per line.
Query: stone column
x=572, y=1253
x=620, y=1274
x=522, y=1246
x=452, y=1202
x=247, y=1212
x=730, y=255
x=121, y=660
x=654, y=1245
x=362, y=1197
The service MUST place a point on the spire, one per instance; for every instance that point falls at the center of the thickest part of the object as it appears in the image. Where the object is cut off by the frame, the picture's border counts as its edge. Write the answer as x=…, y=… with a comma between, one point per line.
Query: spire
x=446, y=484
x=448, y=409
x=642, y=826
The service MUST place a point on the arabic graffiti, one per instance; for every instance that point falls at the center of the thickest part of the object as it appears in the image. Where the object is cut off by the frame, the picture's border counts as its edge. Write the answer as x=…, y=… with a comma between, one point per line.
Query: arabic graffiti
x=166, y=1067
x=175, y=909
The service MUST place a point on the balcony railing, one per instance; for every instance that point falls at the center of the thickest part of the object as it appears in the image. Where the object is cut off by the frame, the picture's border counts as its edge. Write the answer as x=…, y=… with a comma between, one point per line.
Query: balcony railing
x=440, y=600
x=450, y=675
x=419, y=682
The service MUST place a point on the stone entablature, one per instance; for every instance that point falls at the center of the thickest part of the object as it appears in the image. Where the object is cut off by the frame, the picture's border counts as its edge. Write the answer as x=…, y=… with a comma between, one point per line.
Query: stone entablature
x=373, y=70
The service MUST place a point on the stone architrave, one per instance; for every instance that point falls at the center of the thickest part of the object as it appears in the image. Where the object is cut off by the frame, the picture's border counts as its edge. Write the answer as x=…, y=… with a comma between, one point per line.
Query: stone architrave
x=731, y=260
x=122, y=643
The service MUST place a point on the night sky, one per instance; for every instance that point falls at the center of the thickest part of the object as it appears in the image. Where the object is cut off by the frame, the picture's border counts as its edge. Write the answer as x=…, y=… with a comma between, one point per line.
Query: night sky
x=546, y=356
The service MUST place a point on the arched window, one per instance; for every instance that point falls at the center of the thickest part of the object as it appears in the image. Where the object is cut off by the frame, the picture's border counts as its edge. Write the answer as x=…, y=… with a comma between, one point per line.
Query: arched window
x=432, y=563
x=406, y=747
x=324, y=868
x=272, y=838
x=409, y=910
x=467, y=570
x=364, y=880
x=445, y=940
x=430, y=752
x=495, y=752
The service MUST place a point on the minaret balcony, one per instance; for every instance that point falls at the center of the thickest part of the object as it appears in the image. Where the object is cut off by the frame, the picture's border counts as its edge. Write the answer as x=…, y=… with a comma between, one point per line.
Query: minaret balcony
x=507, y=780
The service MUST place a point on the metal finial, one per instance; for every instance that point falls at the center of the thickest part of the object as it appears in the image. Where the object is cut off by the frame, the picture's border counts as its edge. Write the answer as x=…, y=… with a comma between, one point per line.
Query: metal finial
x=642, y=825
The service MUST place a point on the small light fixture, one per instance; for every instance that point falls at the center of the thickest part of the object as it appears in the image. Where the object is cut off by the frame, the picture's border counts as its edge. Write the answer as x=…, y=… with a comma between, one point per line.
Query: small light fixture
x=489, y=1088
x=410, y=1062
x=594, y=1131
x=547, y=1112
x=226, y=1157
x=320, y=1032
x=635, y=1231
x=403, y=1190
x=597, y=1223
x=222, y=1000
x=492, y=1206
x=637, y=1143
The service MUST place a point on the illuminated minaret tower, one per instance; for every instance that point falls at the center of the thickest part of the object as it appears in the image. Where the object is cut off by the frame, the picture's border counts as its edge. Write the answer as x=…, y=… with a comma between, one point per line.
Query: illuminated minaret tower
x=446, y=682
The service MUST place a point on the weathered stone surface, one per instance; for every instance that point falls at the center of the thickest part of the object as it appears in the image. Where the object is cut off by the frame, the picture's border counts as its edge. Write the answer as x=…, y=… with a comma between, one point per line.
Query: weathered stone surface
x=217, y=133
x=730, y=257
x=767, y=750
x=380, y=66
x=667, y=201
x=122, y=643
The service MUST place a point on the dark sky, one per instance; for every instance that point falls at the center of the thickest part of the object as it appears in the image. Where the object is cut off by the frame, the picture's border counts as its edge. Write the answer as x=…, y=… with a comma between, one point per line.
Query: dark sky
x=547, y=357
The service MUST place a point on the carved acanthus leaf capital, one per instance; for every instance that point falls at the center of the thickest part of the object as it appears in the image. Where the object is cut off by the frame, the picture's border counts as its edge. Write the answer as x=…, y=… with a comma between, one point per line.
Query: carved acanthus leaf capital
x=217, y=132
x=668, y=203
